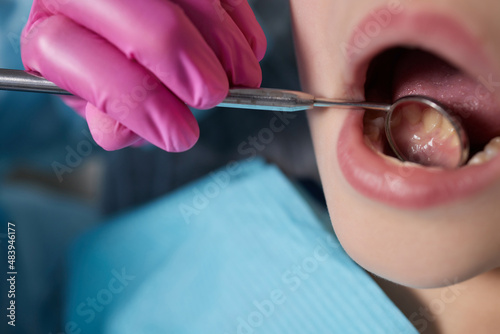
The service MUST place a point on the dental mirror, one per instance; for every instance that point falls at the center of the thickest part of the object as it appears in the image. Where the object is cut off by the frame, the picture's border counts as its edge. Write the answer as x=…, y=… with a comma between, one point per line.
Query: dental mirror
x=417, y=128
x=420, y=130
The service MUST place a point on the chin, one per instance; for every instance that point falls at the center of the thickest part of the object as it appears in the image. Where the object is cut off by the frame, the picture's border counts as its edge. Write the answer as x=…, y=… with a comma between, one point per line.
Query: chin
x=422, y=249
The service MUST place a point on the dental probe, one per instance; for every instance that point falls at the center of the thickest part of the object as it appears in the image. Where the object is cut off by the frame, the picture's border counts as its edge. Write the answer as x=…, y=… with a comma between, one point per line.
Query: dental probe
x=404, y=147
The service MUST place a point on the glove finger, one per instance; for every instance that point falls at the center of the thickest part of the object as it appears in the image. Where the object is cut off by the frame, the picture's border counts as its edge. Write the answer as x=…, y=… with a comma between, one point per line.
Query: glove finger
x=107, y=132
x=242, y=14
x=161, y=38
x=88, y=66
x=226, y=39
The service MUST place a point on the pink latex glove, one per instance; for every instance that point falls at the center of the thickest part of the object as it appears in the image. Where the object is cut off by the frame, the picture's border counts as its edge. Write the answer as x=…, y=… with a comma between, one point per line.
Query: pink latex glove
x=135, y=64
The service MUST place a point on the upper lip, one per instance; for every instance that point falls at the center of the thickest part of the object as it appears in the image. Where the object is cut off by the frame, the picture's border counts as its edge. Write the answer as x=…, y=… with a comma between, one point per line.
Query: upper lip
x=378, y=178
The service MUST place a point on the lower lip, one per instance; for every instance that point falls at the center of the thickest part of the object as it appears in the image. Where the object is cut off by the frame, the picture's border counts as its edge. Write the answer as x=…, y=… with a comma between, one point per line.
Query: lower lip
x=405, y=186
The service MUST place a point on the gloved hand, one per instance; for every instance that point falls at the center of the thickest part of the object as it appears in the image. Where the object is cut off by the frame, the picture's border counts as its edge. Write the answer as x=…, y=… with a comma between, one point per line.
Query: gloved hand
x=135, y=64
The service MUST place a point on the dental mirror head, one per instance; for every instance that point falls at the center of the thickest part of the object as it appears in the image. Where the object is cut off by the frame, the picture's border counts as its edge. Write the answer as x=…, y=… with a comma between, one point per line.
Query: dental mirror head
x=422, y=131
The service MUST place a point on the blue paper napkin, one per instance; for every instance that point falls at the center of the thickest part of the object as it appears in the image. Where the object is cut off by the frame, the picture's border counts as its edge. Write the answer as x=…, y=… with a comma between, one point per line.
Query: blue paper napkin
x=240, y=251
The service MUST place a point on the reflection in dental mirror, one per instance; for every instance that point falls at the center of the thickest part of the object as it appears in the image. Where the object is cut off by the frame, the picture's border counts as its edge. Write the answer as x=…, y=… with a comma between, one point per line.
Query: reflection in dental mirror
x=420, y=130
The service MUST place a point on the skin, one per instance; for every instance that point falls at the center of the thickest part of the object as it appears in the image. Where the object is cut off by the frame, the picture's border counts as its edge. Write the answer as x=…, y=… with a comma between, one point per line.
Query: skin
x=416, y=256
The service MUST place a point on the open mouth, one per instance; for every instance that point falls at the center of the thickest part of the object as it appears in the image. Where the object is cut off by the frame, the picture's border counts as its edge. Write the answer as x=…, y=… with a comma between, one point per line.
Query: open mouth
x=412, y=62
x=401, y=72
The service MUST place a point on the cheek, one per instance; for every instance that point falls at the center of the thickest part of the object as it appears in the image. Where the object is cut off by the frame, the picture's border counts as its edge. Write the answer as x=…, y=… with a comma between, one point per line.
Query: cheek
x=420, y=249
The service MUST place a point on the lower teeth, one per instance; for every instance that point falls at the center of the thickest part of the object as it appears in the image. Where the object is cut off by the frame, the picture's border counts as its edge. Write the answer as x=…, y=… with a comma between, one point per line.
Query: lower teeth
x=490, y=151
x=375, y=139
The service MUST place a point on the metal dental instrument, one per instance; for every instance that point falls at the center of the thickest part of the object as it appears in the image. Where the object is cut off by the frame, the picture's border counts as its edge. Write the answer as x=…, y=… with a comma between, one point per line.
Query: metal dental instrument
x=448, y=150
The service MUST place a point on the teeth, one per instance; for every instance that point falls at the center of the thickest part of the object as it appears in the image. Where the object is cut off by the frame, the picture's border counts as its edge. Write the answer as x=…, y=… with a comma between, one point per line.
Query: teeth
x=447, y=129
x=373, y=128
x=455, y=141
x=372, y=132
x=413, y=114
x=493, y=147
x=396, y=119
x=478, y=159
x=431, y=119
x=490, y=151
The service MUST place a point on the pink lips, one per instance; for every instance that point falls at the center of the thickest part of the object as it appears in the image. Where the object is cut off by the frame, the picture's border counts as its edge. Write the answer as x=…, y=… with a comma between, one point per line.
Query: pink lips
x=379, y=178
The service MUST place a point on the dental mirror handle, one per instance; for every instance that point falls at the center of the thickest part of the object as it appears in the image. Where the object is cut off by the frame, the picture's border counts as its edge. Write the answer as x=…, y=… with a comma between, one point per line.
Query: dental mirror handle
x=288, y=100
x=17, y=80
x=245, y=98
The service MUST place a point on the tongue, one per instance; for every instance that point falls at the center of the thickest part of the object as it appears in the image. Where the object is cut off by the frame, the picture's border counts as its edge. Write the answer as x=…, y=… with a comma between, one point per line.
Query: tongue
x=421, y=73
